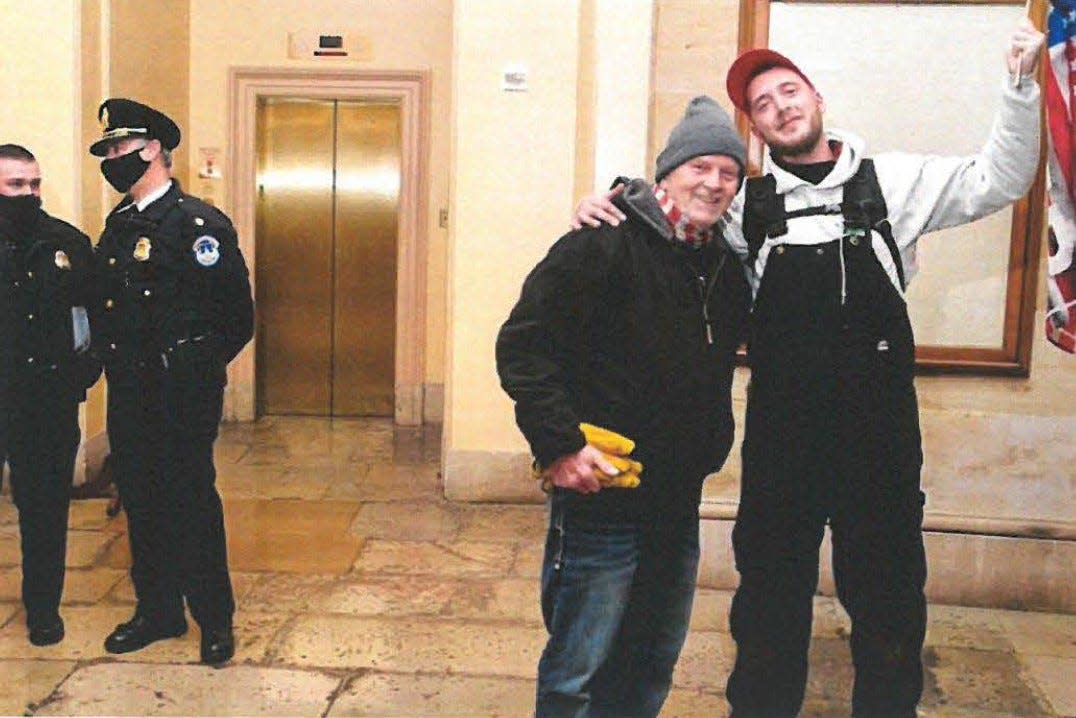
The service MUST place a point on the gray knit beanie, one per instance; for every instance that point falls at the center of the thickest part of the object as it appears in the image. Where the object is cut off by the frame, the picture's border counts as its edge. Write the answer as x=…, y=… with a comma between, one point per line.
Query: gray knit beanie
x=705, y=130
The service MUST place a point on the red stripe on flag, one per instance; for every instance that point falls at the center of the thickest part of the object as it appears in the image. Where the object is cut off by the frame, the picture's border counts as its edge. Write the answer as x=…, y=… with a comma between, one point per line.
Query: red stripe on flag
x=1058, y=120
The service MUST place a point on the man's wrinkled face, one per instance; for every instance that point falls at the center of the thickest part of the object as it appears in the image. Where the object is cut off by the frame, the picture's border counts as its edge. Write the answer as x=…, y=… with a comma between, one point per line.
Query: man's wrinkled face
x=786, y=111
x=703, y=187
x=18, y=177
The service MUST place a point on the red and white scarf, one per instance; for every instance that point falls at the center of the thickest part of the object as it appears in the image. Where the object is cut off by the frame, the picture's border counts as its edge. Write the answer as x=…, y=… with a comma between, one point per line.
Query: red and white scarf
x=683, y=229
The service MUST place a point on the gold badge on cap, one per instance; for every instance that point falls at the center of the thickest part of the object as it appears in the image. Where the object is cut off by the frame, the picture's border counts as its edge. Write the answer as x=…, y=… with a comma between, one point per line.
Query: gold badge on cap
x=61, y=260
x=142, y=249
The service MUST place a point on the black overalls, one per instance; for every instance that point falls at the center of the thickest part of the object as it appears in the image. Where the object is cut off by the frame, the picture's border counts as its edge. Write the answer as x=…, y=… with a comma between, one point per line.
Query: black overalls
x=832, y=434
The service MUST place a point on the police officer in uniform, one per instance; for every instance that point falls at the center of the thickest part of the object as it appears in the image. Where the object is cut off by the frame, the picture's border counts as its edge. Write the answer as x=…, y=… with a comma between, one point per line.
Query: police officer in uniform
x=45, y=271
x=173, y=308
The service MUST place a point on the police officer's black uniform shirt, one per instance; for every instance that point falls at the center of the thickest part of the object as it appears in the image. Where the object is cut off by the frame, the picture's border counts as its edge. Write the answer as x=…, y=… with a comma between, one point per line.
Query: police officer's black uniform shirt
x=172, y=286
x=46, y=271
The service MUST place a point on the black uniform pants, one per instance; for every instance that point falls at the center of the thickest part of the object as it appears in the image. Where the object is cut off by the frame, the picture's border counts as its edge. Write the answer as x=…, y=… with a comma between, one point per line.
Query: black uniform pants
x=832, y=434
x=42, y=443
x=161, y=429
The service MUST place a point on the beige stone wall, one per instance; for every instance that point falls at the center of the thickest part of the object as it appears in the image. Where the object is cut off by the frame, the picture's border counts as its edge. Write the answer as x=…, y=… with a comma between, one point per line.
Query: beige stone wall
x=513, y=168
x=400, y=35
x=93, y=76
x=694, y=43
x=41, y=109
x=39, y=100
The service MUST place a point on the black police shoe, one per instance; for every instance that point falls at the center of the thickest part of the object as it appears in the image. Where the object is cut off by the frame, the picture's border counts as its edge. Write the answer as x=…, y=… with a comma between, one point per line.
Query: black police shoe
x=48, y=632
x=218, y=646
x=139, y=632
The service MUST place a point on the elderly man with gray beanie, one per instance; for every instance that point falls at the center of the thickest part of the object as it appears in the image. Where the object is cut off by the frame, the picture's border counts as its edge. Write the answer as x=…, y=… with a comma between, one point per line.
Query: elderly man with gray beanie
x=633, y=329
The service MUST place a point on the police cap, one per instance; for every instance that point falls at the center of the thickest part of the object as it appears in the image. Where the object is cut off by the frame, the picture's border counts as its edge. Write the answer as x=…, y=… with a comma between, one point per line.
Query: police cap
x=122, y=118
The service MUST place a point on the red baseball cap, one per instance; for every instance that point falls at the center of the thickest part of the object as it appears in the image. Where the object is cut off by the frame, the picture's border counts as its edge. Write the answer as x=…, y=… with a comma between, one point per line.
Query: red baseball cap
x=749, y=65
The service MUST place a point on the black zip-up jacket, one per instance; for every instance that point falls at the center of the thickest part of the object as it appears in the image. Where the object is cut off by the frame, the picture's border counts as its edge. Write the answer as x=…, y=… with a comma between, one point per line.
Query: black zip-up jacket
x=611, y=329
x=172, y=288
x=47, y=271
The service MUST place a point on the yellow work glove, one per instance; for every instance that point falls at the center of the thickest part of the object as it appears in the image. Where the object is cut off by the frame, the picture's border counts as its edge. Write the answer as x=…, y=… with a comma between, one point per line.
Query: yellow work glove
x=607, y=441
x=615, y=448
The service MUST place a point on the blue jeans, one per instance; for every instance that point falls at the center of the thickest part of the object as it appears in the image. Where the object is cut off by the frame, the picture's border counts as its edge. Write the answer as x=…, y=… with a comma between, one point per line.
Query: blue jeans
x=616, y=599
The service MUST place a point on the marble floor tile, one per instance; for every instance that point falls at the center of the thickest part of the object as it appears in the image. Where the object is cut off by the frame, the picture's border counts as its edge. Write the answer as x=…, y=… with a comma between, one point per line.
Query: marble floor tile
x=10, y=584
x=387, y=482
x=9, y=515
x=227, y=452
x=528, y=562
x=987, y=681
x=1040, y=634
x=705, y=662
x=510, y=599
x=89, y=586
x=830, y=619
x=28, y=683
x=289, y=536
x=411, y=645
x=283, y=592
x=829, y=676
x=91, y=515
x=392, y=596
x=87, y=548
x=422, y=696
x=152, y=690
x=963, y=627
x=1056, y=680
x=450, y=560
x=683, y=703
x=10, y=553
x=408, y=521
x=710, y=611
x=512, y=524
x=286, y=484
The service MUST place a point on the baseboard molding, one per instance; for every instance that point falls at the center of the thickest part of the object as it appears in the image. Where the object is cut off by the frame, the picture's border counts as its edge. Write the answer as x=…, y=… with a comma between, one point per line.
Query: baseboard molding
x=1021, y=573
x=433, y=407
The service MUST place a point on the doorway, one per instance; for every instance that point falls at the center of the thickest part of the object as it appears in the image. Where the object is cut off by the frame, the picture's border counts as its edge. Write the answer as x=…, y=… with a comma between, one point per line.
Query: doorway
x=328, y=179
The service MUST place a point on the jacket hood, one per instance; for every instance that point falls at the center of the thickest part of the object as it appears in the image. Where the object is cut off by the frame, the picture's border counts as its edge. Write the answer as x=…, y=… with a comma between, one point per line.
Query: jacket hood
x=638, y=200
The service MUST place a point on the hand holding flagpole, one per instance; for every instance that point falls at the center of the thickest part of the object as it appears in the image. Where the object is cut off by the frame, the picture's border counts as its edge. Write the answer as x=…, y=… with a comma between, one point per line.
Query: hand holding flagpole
x=1018, y=51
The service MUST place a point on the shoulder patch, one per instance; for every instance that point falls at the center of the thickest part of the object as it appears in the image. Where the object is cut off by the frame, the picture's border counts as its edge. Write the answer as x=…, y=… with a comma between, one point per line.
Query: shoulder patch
x=206, y=250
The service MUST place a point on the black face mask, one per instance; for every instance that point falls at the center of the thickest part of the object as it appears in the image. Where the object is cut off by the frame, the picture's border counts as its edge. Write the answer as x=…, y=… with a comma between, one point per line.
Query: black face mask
x=123, y=171
x=21, y=210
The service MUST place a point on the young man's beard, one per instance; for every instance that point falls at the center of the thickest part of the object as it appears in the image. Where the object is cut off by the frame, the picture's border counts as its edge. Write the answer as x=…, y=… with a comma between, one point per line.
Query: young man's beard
x=801, y=147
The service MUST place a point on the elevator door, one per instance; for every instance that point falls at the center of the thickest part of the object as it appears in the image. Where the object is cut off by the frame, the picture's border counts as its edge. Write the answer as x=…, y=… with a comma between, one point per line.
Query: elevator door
x=328, y=193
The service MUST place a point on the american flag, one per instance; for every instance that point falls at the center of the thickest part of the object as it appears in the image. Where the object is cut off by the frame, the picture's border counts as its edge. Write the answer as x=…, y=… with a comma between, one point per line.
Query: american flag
x=1060, y=114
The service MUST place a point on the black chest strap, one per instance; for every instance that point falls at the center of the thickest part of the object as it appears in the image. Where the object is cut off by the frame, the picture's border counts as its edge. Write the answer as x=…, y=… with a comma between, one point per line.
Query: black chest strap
x=862, y=205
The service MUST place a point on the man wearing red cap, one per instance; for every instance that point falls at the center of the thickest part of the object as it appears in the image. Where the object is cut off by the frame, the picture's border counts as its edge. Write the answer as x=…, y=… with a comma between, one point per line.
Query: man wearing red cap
x=832, y=429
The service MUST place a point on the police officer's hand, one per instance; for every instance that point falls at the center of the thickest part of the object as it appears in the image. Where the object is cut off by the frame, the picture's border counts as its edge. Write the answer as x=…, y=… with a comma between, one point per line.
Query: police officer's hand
x=576, y=472
x=1025, y=47
x=597, y=208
